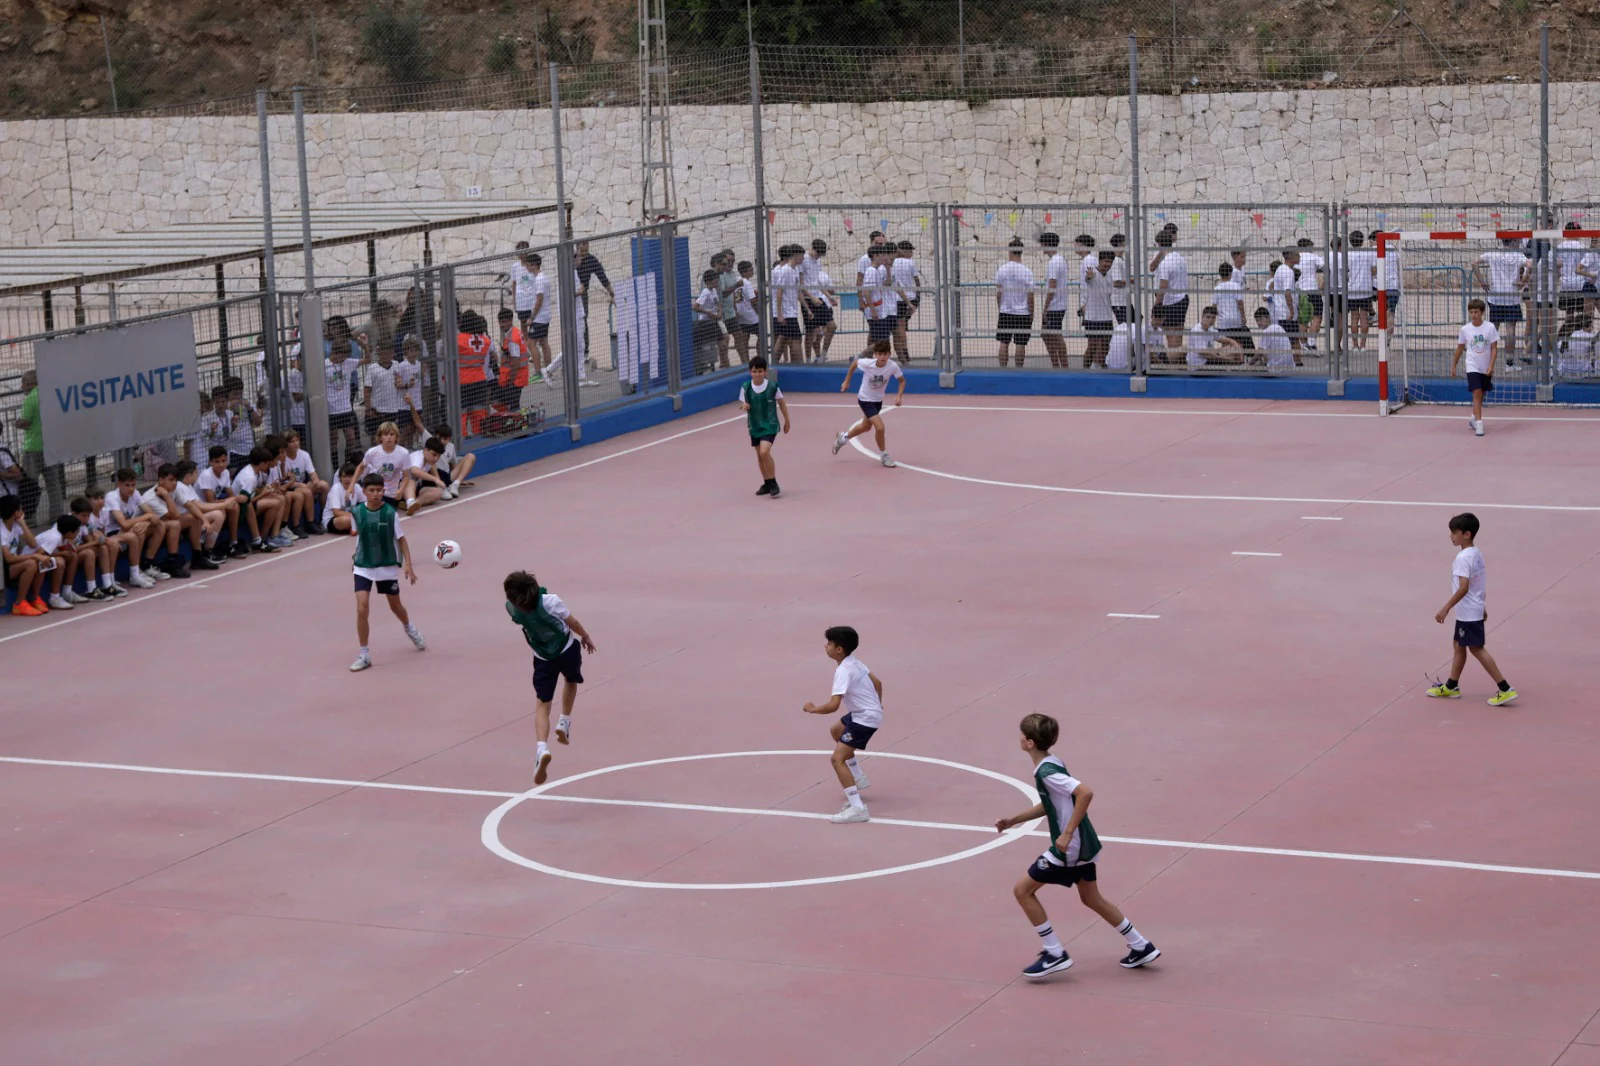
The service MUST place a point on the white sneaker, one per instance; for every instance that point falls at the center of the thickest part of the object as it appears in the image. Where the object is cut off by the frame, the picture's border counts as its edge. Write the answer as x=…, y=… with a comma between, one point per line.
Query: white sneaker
x=563, y=730
x=850, y=813
x=140, y=580
x=1477, y=427
x=159, y=575
x=59, y=603
x=416, y=638
x=1472, y=423
x=72, y=596
x=541, y=767
x=886, y=459
x=839, y=442
x=453, y=491
x=361, y=663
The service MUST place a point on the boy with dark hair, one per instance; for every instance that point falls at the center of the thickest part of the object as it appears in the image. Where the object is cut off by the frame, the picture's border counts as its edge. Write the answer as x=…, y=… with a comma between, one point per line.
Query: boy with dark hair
x=160, y=498
x=246, y=419
x=1470, y=604
x=116, y=540
x=747, y=323
x=860, y=693
x=459, y=467
x=203, y=521
x=1064, y=804
x=60, y=541
x=382, y=554
x=302, y=474
x=263, y=509
x=907, y=283
x=877, y=370
x=1056, y=284
x=707, y=337
x=216, y=487
x=342, y=498
x=762, y=402
x=1481, y=343
x=102, y=575
x=558, y=641
x=20, y=563
x=127, y=510
x=430, y=478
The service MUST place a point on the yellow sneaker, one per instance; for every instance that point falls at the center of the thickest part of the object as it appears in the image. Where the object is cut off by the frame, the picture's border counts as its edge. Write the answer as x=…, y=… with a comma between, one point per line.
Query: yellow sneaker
x=1442, y=691
x=1500, y=699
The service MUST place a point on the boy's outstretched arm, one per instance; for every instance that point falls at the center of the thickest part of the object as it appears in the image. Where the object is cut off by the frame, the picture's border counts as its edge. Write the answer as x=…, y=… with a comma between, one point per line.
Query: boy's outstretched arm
x=1036, y=811
x=405, y=558
x=583, y=634
x=850, y=372
x=823, y=708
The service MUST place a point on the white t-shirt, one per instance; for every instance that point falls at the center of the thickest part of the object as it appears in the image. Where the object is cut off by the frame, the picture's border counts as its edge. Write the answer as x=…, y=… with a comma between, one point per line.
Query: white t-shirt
x=7, y=461
x=48, y=541
x=810, y=275
x=863, y=265
x=1576, y=359
x=1197, y=342
x=381, y=573
x=785, y=292
x=1121, y=353
x=904, y=272
x=541, y=288
x=392, y=465
x=558, y=610
x=759, y=390
x=1096, y=295
x=1570, y=255
x=215, y=429
x=1119, y=273
x=1175, y=272
x=889, y=297
x=339, y=376
x=12, y=536
x=875, y=379
x=1228, y=296
x=419, y=461
x=131, y=507
x=1361, y=268
x=1056, y=271
x=1275, y=343
x=1478, y=340
x=299, y=466
x=744, y=302
x=1281, y=285
x=247, y=482
x=1505, y=275
x=522, y=286
x=184, y=494
x=385, y=390
x=297, y=408
x=1014, y=283
x=243, y=437
x=338, y=499
x=1060, y=788
x=408, y=379
x=219, y=485
x=1469, y=565
x=859, y=699
x=710, y=302
x=1311, y=268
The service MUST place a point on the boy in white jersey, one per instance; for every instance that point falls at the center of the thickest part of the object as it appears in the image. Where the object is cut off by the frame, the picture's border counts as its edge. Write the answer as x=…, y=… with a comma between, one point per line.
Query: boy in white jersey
x=201, y=520
x=747, y=322
x=1013, y=297
x=61, y=541
x=408, y=379
x=1480, y=341
x=559, y=642
x=1056, y=279
x=457, y=469
x=1275, y=345
x=162, y=501
x=1503, y=275
x=215, y=485
x=1064, y=803
x=101, y=572
x=394, y=464
x=297, y=468
x=429, y=481
x=1576, y=352
x=20, y=561
x=127, y=510
x=262, y=505
x=1312, y=269
x=116, y=541
x=876, y=373
x=787, y=337
x=907, y=282
x=342, y=496
x=1470, y=603
x=860, y=693
x=216, y=425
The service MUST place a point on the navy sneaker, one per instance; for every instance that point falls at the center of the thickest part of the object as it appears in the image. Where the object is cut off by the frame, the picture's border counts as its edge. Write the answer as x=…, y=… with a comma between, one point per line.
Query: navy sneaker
x=1047, y=964
x=1135, y=959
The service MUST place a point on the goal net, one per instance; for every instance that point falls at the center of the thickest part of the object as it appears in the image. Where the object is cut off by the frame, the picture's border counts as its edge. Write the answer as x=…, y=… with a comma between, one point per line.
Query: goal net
x=1533, y=285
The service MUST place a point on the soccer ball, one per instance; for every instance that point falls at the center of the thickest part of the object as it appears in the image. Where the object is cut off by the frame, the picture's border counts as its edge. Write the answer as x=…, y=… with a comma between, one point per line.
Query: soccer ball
x=447, y=554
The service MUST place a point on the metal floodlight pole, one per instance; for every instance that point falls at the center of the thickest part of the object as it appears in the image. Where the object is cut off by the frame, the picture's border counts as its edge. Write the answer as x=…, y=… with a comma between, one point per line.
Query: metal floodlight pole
x=763, y=259
x=269, y=302
x=1544, y=119
x=311, y=353
x=961, y=45
x=111, y=71
x=566, y=280
x=1140, y=358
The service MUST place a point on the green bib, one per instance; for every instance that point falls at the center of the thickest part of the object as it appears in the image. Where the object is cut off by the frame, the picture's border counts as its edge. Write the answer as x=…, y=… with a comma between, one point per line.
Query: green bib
x=763, y=413
x=1088, y=841
x=543, y=631
x=375, y=546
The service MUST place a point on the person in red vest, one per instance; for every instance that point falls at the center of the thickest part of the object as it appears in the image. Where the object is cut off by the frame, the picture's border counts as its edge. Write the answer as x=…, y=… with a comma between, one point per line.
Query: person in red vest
x=513, y=362
x=472, y=354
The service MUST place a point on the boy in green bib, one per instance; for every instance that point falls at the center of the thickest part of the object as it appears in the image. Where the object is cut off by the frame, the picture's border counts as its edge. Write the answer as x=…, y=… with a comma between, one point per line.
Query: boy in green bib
x=762, y=402
x=1064, y=803
x=381, y=555
x=558, y=641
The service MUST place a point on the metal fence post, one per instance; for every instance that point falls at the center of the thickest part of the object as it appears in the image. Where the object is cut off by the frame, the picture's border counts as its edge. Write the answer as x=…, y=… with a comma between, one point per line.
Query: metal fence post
x=269, y=302
x=1325, y=290
x=952, y=279
x=758, y=163
x=1544, y=118
x=566, y=272
x=315, y=371
x=449, y=368
x=668, y=235
x=941, y=348
x=1140, y=357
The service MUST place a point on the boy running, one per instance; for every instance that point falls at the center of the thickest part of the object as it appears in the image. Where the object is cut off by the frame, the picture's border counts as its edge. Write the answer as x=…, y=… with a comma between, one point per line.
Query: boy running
x=1064, y=803
x=381, y=555
x=876, y=372
x=554, y=634
x=860, y=692
x=1471, y=584
x=762, y=402
x=1481, y=341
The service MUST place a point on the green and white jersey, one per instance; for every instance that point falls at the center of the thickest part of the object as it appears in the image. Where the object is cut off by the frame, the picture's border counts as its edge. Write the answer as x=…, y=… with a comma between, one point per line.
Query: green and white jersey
x=762, y=417
x=1056, y=787
x=545, y=627
x=377, y=536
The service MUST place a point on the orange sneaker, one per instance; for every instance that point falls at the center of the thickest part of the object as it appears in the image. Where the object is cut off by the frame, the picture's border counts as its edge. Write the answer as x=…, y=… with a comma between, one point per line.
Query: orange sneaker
x=22, y=610
x=38, y=605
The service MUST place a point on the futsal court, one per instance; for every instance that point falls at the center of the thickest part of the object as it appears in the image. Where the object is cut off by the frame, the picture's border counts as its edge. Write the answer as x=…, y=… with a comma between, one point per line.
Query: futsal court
x=221, y=846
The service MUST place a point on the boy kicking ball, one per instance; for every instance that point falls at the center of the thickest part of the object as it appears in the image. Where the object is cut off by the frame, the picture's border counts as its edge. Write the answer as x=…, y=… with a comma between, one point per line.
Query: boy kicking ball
x=1064, y=802
x=381, y=555
x=762, y=402
x=860, y=692
x=876, y=372
x=549, y=628
x=1481, y=343
x=1469, y=601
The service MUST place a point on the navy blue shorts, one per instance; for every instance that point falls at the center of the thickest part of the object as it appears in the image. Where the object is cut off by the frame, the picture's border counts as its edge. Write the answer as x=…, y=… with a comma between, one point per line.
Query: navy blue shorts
x=1499, y=314
x=1469, y=634
x=786, y=327
x=880, y=329
x=1315, y=299
x=907, y=309
x=1013, y=328
x=1053, y=320
x=538, y=331
x=855, y=736
x=546, y=672
x=385, y=588
x=1048, y=873
x=1476, y=381
x=765, y=438
x=1171, y=316
x=870, y=408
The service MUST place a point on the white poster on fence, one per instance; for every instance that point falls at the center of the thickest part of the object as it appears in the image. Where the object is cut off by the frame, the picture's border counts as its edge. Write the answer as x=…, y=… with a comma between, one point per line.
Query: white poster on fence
x=638, y=333
x=116, y=388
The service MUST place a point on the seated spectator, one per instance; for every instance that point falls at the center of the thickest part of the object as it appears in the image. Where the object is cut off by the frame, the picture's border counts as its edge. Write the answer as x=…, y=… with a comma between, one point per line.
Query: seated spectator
x=216, y=487
x=20, y=562
x=280, y=481
x=1576, y=358
x=1119, y=354
x=298, y=467
x=460, y=467
x=61, y=541
x=117, y=542
x=201, y=520
x=1204, y=344
x=131, y=515
x=261, y=503
x=429, y=475
x=342, y=496
x=162, y=502
x=102, y=577
x=1276, y=343
x=393, y=463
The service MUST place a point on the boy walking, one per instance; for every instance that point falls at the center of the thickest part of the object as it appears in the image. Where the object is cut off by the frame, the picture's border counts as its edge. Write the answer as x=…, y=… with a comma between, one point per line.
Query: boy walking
x=876, y=372
x=382, y=554
x=762, y=402
x=554, y=634
x=860, y=693
x=1481, y=343
x=1064, y=803
x=1471, y=609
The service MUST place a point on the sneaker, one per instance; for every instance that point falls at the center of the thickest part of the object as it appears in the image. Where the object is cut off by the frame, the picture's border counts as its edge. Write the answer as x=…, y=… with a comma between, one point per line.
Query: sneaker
x=288, y=534
x=1500, y=699
x=765, y=489
x=283, y=539
x=774, y=493
x=1472, y=423
x=1442, y=691
x=850, y=813
x=412, y=507
x=362, y=662
x=114, y=591
x=177, y=568
x=155, y=572
x=886, y=459
x=202, y=561
x=1047, y=964
x=264, y=547
x=416, y=638
x=141, y=580
x=839, y=441
x=1135, y=959
x=22, y=609
x=316, y=529
x=541, y=768
x=1477, y=427
x=59, y=603
x=38, y=606
x=71, y=596
x=239, y=549
x=99, y=595
x=563, y=730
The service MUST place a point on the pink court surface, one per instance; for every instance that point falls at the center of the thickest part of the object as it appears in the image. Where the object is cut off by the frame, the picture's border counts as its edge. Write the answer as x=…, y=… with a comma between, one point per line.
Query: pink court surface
x=223, y=847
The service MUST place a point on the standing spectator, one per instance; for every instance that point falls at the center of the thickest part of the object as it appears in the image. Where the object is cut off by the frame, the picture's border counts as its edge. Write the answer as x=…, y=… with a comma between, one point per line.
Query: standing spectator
x=408, y=377
x=747, y=321
x=1312, y=271
x=1284, y=296
x=1097, y=317
x=1360, y=272
x=907, y=282
x=11, y=475
x=1013, y=295
x=339, y=371
x=1227, y=296
x=1503, y=275
x=1172, y=288
x=589, y=267
x=246, y=419
x=1119, y=277
x=540, y=308
x=522, y=285
x=811, y=301
x=786, y=305
x=382, y=399
x=729, y=286
x=55, y=481
x=707, y=333
x=472, y=354
x=513, y=365
x=1055, y=300
x=1570, y=256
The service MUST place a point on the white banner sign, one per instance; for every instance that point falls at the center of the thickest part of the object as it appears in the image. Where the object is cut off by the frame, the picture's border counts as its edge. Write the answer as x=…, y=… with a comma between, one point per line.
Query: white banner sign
x=638, y=337
x=116, y=388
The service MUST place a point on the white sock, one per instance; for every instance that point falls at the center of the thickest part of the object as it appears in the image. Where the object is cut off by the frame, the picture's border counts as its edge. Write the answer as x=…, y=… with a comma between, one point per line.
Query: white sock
x=106, y=581
x=411, y=628
x=1047, y=937
x=540, y=749
x=1135, y=938
x=365, y=653
x=855, y=768
x=853, y=796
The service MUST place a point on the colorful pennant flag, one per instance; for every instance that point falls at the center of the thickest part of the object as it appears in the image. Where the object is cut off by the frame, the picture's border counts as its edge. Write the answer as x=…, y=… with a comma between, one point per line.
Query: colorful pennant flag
x=1259, y=219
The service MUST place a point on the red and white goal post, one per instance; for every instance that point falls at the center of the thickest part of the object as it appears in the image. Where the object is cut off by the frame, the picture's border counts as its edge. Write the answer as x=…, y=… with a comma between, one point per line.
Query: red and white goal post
x=1425, y=347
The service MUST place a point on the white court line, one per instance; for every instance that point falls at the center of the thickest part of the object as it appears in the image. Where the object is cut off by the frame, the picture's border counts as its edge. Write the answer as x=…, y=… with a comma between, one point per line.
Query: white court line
x=1265, y=555
x=334, y=538
x=1117, y=614
x=1409, y=416
x=1320, y=518
x=1186, y=845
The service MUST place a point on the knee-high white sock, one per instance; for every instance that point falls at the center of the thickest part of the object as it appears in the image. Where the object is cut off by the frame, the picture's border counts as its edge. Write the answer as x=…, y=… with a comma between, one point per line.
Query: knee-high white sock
x=853, y=796
x=1047, y=937
x=1136, y=939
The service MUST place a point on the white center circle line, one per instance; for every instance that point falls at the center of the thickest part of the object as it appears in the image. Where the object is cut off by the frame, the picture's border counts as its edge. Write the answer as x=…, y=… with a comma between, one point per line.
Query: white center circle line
x=492, y=841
